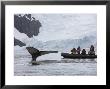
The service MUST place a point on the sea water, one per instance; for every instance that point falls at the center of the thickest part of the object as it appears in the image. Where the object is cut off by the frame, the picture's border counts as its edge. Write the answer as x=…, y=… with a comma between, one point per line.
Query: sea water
x=53, y=65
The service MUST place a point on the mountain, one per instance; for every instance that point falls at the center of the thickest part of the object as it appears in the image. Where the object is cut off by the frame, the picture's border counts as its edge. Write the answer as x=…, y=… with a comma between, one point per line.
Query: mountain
x=27, y=24
x=25, y=27
x=56, y=31
x=18, y=42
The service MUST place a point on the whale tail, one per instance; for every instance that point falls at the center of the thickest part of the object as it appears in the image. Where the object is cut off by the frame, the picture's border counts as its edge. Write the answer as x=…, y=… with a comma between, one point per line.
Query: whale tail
x=47, y=52
x=35, y=52
x=32, y=50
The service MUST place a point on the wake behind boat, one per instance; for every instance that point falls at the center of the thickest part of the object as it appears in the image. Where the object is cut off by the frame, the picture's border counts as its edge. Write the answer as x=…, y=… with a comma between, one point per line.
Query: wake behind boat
x=78, y=56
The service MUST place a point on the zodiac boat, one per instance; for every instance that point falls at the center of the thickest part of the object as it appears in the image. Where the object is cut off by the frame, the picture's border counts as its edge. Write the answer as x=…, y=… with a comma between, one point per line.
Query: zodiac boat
x=78, y=56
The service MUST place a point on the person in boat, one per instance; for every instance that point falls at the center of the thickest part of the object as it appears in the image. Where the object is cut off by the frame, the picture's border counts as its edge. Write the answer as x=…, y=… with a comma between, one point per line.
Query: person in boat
x=83, y=52
x=78, y=50
x=73, y=51
x=91, y=52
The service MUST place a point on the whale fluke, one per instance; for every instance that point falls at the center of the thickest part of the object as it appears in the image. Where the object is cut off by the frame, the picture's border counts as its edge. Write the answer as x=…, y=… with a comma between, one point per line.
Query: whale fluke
x=32, y=50
x=35, y=52
x=47, y=52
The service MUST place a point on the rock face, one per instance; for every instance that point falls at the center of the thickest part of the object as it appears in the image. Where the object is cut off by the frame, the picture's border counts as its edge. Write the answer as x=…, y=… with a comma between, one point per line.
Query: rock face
x=27, y=24
x=18, y=42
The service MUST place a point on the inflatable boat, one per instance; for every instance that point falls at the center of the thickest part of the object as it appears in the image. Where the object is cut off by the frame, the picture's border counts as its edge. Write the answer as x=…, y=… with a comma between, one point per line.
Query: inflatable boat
x=78, y=56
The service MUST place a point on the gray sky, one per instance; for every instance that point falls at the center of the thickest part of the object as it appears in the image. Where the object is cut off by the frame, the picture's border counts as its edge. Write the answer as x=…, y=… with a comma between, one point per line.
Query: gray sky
x=66, y=26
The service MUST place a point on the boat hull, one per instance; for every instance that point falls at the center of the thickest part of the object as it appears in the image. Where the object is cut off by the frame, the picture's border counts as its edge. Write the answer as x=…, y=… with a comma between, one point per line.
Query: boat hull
x=78, y=56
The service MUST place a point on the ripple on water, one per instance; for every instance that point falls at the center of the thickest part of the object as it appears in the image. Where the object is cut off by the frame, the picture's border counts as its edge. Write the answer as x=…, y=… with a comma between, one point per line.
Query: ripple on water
x=54, y=67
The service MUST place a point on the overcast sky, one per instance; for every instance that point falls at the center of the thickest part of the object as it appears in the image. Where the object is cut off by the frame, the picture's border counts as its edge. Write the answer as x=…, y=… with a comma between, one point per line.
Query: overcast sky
x=66, y=26
x=63, y=26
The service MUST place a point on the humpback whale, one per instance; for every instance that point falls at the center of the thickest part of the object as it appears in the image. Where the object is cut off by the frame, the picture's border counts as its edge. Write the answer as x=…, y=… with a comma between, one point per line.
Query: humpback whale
x=36, y=53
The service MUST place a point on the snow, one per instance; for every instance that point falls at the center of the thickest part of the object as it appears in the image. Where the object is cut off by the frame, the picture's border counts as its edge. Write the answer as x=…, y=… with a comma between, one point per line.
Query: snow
x=20, y=36
x=63, y=45
x=59, y=30
x=66, y=26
